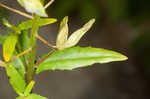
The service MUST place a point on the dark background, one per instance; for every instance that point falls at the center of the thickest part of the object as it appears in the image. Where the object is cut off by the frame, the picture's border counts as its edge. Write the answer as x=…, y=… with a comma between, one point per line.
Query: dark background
x=122, y=26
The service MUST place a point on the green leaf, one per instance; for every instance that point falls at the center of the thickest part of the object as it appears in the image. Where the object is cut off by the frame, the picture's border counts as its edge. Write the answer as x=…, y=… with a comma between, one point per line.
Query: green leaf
x=76, y=36
x=16, y=79
x=2, y=38
x=20, y=97
x=28, y=24
x=34, y=6
x=76, y=57
x=17, y=63
x=63, y=33
x=29, y=88
x=35, y=96
x=25, y=43
x=14, y=28
x=32, y=96
x=9, y=46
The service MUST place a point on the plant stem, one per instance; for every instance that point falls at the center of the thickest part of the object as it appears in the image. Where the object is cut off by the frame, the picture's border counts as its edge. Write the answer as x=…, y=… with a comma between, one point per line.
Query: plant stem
x=45, y=42
x=16, y=11
x=44, y=58
x=21, y=54
x=49, y=3
x=32, y=55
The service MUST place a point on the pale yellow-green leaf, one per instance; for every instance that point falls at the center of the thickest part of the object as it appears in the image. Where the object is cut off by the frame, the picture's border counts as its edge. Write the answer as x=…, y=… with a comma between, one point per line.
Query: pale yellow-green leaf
x=76, y=36
x=63, y=33
x=34, y=6
x=9, y=46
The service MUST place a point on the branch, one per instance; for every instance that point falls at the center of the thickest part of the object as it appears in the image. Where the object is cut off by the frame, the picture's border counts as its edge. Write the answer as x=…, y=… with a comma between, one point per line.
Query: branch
x=20, y=54
x=43, y=59
x=49, y=3
x=16, y=11
x=45, y=42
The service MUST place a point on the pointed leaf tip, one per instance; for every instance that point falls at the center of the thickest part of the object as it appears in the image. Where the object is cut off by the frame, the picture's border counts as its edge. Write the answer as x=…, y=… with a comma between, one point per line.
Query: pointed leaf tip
x=29, y=88
x=63, y=33
x=75, y=57
x=77, y=35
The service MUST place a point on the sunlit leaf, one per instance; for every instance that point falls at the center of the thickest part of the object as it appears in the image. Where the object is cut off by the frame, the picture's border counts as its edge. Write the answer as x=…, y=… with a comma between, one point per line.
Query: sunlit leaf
x=63, y=33
x=28, y=24
x=34, y=6
x=71, y=58
x=16, y=79
x=76, y=36
x=29, y=88
x=9, y=46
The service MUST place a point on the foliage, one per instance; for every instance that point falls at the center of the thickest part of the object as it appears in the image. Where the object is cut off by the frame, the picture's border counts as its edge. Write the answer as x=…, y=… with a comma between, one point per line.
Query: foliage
x=19, y=49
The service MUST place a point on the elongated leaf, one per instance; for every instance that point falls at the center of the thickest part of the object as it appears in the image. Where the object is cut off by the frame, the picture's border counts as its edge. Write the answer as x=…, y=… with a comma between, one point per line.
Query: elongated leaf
x=63, y=33
x=14, y=28
x=9, y=46
x=76, y=36
x=16, y=80
x=34, y=6
x=25, y=43
x=29, y=88
x=28, y=24
x=32, y=96
x=76, y=57
x=17, y=63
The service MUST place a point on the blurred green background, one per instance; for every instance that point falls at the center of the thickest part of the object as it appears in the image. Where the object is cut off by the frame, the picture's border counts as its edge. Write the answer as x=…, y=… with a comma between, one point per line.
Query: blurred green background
x=122, y=25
